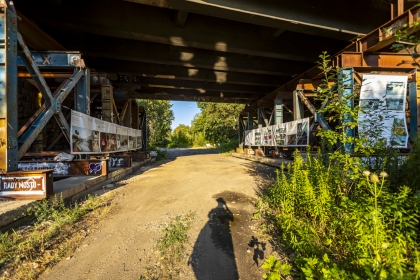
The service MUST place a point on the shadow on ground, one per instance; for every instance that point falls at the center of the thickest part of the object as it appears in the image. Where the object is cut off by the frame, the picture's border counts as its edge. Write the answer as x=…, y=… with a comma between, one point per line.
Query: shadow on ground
x=213, y=256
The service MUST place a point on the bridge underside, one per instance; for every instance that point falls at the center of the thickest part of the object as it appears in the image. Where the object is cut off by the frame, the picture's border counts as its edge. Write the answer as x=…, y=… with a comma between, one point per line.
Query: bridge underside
x=213, y=50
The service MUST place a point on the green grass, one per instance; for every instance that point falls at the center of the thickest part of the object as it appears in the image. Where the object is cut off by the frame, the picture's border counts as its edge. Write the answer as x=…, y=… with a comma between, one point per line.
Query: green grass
x=171, y=248
x=25, y=254
x=340, y=228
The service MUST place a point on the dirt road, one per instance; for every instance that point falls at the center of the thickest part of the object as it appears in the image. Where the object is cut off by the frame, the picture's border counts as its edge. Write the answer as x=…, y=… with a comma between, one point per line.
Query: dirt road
x=223, y=243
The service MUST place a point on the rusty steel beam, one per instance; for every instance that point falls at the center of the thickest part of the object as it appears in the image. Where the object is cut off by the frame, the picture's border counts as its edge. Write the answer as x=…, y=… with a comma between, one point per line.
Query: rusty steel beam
x=385, y=60
x=46, y=75
x=383, y=36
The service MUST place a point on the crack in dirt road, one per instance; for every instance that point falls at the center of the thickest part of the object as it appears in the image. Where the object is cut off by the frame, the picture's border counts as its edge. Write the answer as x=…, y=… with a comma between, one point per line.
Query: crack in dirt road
x=224, y=241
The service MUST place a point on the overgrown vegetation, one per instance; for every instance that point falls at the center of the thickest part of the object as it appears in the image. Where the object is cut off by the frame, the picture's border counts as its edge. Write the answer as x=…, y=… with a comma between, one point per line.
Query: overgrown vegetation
x=171, y=248
x=159, y=120
x=216, y=124
x=341, y=217
x=55, y=231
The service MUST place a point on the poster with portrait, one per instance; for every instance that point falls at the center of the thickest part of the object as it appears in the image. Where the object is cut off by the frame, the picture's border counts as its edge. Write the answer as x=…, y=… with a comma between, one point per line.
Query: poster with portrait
x=257, y=137
x=94, y=136
x=280, y=134
x=267, y=136
x=85, y=133
x=382, y=109
x=297, y=133
x=249, y=138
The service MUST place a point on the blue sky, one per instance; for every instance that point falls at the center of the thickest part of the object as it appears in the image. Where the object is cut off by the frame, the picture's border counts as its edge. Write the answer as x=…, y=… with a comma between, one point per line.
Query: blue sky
x=184, y=112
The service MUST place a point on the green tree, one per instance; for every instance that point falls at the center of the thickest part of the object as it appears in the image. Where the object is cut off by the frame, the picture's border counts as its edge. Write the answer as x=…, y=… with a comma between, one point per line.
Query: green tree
x=181, y=137
x=217, y=121
x=159, y=120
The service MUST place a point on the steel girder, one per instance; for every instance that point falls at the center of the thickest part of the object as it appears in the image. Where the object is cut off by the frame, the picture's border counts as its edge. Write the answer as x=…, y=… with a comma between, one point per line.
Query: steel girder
x=52, y=107
x=8, y=90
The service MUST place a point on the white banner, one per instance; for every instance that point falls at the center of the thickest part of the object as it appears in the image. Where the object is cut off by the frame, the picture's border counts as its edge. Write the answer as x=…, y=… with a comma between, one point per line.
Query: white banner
x=249, y=137
x=295, y=133
x=382, y=109
x=93, y=136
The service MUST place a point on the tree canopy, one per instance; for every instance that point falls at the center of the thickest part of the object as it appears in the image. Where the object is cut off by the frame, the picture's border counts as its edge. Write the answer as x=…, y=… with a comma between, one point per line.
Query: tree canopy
x=159, y=120
x=217, y=121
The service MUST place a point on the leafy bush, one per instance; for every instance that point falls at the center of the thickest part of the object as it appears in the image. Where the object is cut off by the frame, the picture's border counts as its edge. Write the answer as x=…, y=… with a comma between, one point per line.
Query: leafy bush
x=366, y=232
x=161, y=154
x=227, y=147
x=343, y=215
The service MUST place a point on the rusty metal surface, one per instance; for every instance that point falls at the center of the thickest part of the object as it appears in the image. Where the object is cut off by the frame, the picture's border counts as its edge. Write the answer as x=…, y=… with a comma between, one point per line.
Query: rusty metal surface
x=71, y=168
x=119, y=161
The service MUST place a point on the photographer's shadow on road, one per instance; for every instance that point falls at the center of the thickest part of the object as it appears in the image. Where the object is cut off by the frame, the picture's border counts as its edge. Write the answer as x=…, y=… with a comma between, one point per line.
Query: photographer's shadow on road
x=213, y=255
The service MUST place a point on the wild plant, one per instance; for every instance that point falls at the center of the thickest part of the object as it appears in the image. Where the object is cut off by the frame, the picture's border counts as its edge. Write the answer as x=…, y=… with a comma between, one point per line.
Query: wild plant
x=343, y=218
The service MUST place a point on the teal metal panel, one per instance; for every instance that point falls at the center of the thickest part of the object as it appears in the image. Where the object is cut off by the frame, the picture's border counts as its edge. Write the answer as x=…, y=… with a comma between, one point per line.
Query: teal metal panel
x=412, y=91
x=278, y=110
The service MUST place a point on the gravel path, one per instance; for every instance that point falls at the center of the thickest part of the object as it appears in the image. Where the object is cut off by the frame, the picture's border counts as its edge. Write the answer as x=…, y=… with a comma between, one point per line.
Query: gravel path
x=224, y=241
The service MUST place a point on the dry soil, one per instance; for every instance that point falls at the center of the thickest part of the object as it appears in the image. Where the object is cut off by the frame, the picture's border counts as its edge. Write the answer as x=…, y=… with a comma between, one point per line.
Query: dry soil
x=224, y=240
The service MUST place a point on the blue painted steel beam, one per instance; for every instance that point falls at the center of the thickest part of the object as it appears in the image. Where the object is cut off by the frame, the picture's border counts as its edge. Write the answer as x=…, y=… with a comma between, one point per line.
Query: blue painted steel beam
x=412, y=91
x=8, y=90
x=82, y=93
x=278, y=111
x=346, y=91
x=67, y=59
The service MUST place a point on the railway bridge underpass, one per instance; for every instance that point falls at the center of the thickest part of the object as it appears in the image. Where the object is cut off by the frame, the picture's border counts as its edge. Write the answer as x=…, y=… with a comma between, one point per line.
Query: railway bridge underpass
x=70, y=72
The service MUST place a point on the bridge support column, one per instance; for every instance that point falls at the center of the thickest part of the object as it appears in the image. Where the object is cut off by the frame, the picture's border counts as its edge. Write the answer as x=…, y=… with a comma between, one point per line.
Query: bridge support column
x=278, y=111
x=8, y=90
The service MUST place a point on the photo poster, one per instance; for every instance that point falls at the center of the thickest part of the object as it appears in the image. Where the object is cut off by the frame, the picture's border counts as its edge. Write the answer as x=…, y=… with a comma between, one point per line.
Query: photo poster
x=93, y=136
x=139, y=139
x=382, y=106
x=280, y=134
x=295, y=133
x=132, y=139
x=257, y=137
x=249, y=138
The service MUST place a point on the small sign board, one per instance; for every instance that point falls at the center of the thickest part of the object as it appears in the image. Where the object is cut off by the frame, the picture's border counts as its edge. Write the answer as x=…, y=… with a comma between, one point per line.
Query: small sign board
x=26, y=185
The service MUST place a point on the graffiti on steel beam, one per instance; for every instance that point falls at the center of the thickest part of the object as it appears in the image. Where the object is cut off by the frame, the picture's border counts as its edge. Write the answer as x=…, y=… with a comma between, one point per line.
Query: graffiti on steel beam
x=12, y=142
x=59, y=168
x=129, y=79
x=95, y=167
x=2, y=142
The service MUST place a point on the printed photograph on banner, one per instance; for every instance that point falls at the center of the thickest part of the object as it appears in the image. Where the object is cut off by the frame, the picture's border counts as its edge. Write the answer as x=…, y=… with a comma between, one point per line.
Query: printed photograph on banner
x=396, y=104
x=84, y=140
x=111, y=145
x=280, y=134
x=302, y=133
x=139, y=142
x=103, y=141
x=124, y=142
x=257, y=137
x=399, y=135
x=249, y=138
x=268, y=136
x=395, y=88
x=118, y=141
x=291, y=133
x=366, y=105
